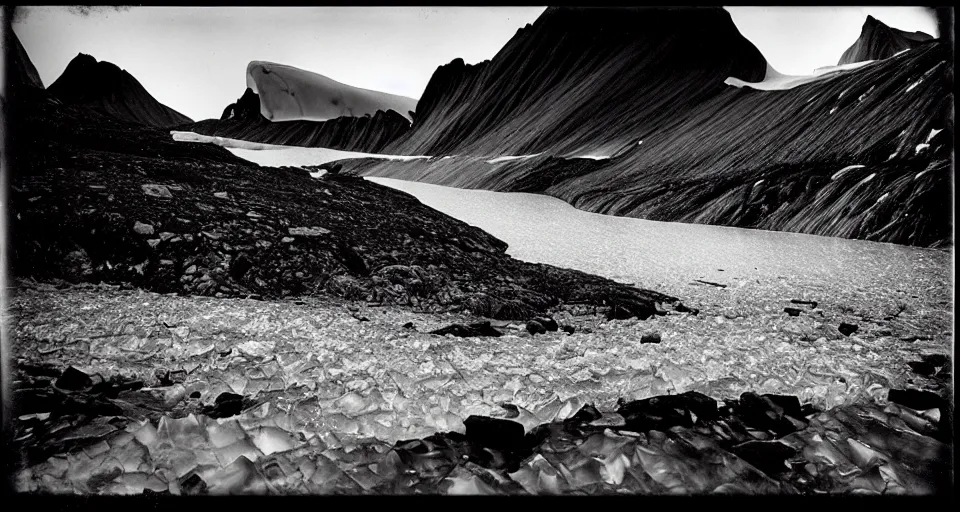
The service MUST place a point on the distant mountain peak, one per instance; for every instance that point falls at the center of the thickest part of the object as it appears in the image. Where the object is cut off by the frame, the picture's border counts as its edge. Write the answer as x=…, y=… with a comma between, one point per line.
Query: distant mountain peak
x=105, y=87
x=880, y=41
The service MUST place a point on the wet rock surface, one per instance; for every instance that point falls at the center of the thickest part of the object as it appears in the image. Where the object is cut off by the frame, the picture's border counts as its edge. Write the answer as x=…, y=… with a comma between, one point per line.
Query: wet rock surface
x=668, y=444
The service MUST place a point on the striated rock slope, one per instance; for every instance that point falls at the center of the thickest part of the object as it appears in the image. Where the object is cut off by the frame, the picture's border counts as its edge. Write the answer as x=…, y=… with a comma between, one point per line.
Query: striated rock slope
x=860, y=153
x=581, y=80
x=105, y=88
x=244, y=120
x=878, y=41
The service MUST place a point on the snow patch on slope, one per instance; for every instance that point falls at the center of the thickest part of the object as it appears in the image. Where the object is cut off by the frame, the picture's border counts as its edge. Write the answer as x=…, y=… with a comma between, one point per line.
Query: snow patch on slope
x=508, y=158
x=776, y=81
x=845, y=169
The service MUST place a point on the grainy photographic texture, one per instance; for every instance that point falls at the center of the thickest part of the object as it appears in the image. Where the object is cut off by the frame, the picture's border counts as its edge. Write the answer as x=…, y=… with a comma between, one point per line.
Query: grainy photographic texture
x=478, y=250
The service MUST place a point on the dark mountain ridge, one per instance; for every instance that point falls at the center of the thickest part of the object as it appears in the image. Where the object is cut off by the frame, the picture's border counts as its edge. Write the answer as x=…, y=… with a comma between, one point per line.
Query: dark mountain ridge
x=767, y=159
x=243, y=120
x=581, y=79
x=879, y=41
x=104, y=87
x=20, y=71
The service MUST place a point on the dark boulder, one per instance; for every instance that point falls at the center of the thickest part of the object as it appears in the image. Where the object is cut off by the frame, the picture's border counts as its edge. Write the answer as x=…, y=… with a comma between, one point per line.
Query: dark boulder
x=653, y=337
x=548, y=323
x=73, y=379
x=917, y=399
x=847, y=329
x=535, y=327
x=569, y=329
x=664, y=412
x=586, y=414
x=791, y=311
x=767, y=456
x=495, y=433
x=467, y=331
x=766, y=413
x=226, y=405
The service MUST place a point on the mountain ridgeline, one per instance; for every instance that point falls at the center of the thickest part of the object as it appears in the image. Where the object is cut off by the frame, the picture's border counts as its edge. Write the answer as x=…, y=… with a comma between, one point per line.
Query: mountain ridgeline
x=244, y=120
x=581, y=80
x=864, y=153
x=878, y=41
x=104, y=87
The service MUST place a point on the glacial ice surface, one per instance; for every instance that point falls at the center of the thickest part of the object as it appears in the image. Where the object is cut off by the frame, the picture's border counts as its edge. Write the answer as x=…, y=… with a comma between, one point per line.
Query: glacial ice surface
x=288, y=94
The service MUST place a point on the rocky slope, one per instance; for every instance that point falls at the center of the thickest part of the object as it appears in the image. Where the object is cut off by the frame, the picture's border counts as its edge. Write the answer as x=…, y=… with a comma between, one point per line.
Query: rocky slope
x=862, y=153
x=97, y=200
x=244, y=120
x=109, y=90
x=878, y=41
x=581, y=80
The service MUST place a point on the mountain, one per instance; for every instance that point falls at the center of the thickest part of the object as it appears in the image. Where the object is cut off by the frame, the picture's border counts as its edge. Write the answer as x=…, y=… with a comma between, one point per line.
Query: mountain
x=582, y=80
x=20, y=71
x=879, y=41
x=860, y=151
x=100, y=200
x=244, y=120
x=105, y=88
x=292, y=94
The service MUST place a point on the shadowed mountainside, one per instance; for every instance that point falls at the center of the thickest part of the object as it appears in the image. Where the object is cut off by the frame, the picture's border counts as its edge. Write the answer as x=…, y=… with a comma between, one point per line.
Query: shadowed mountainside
x=878, y=41
x=581, y=80
x=20, y=71
x=738, y=157
x=105, y=88
x=243, y=120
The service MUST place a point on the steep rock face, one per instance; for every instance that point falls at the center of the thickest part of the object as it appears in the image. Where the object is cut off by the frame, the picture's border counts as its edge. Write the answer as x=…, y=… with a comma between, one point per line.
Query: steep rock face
x=243, y=120
x=20, y=71
x=292, y=94
x=581, y=79
x=864, y=153
x=879, y=41
x=105, y=88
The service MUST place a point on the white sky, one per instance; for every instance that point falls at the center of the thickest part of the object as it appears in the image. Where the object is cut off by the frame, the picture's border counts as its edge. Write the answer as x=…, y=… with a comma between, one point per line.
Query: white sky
x=194, y=59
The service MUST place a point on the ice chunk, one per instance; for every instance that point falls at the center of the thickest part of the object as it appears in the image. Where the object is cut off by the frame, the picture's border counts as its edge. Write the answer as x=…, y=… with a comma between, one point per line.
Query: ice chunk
x=271, y=440
x=288, y=93
x=920, y=147
x=933, y=133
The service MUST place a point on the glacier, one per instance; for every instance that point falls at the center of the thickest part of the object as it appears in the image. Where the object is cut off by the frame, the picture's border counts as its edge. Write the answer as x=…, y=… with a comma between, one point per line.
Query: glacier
x=288, y=93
